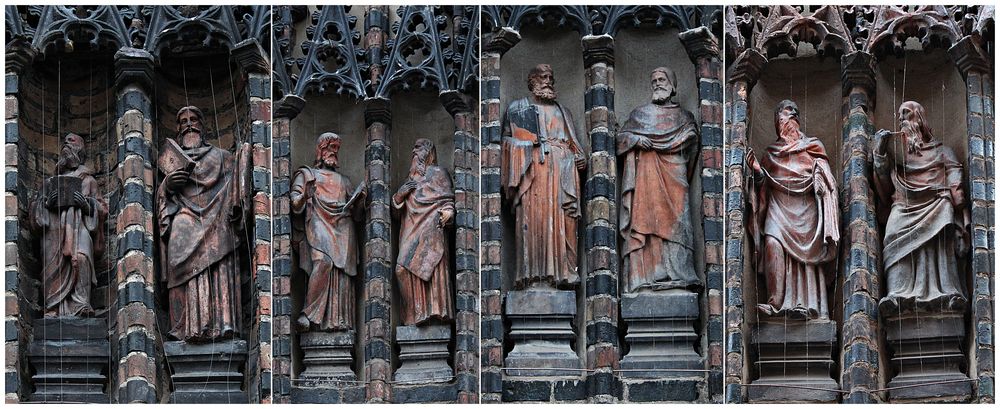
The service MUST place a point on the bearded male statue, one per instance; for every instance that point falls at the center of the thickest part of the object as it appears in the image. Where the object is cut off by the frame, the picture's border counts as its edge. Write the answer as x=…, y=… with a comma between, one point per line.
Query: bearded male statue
x=70, y=213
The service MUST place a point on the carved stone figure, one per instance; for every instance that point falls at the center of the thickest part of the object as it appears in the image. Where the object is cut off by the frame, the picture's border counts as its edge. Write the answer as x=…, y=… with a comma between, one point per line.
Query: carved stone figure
x=70, y=213
x=928, y=226
x=541, y=161
x=200, y=207
x=659, y=143
x=427, y=203
x=794, y=226
x=325, y=205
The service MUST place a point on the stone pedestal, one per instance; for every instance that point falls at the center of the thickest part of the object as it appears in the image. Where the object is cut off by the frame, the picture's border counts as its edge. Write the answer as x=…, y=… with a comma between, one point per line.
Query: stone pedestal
x=327, y=356
x=207, y=373
x=660, y=335
x=423, y=354
x=926, y=349
x=794, y=353
x=541, y=327
x=70, y=360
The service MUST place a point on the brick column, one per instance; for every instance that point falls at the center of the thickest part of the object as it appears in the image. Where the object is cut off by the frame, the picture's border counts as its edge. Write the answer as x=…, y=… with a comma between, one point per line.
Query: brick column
x=860, y=241
x=259, y=86
x=19, y=55
x=378, y=260
x=466, y=181
x=976, y=67
x=281, y=256
x=491, y=232
x=742, y=77
x=135, y=336
x=600, y=191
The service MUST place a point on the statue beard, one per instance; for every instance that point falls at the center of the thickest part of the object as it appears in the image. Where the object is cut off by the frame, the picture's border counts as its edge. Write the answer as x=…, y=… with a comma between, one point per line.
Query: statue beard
x=544, y=92
x=913, y=135
x=331, y=163
x=190, y=138
x=418, y=168
x=69, y=159
x=661, y=95
x=789, y=129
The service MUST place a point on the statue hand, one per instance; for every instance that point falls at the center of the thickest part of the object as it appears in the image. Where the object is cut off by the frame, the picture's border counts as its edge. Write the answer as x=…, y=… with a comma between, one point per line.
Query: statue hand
x=81, y=202
x=644, y=143
x=751, y=161
x=882, y=138
x=52, y=201
x=580, y=161
x=409, y=186
x=177, y=179
x=446, y=217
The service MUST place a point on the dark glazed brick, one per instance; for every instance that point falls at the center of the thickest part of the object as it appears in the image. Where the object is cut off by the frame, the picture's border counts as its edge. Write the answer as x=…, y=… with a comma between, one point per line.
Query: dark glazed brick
x=375, y=270
x=11, y=281
x=10, y=84
x=514, y=391
x=600, y=383
x=467, y=342
x=860, y=352
x=710, y=90
x=490, y=279
x=282, y=346
x=492, y=329
x=671, y=390
x=262, y=229
x=711, y=184
x=600, y=186
x=265, y=331
x=282, y=267
x=713, y=230
x=137, y=391
x=734, y=343
x=377, y=349
x=11, y=331
x=377, y=152
x=491, y=382
x=11, y=133
x=261, y=181
x=134, y=240
x=281, y=148
x=601, y=236
x=491, y=183
x=135, y=292
x=715, y=383
x=377, y=229
x=12, y=382
x=861, y=302
x=375, y=309
x=282, y=225
x=10, y=227
x=134, y=145
x=570, y=390
x=136, y=193
x=602, y=332
x=282, y=306
x=491, y=231
x=602, y=284
x=602, y=142
x=711, y=136
x=281, y=187
x=263, y=280
x=715, y=329
x=467, y=262
x=136, y=341
x=10, y=181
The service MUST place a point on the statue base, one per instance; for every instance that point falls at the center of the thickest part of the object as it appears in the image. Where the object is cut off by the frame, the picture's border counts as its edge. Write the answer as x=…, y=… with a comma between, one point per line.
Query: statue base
x=70, y=356
x=660, y=335
x=207, y=373
x=327, y=356
x=423, y=354
x=794, y=361
x=926, y=358
x=541, y=327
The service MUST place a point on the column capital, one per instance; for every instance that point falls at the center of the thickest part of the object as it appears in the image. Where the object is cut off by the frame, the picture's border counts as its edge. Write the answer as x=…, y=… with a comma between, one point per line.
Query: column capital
x=134, y=66
x=969, y=56
x=700, y=43
x=598, y=49
x=747, y=67
x=251, y=57
x=857, y=69
x=19, y=55
x=503, y=39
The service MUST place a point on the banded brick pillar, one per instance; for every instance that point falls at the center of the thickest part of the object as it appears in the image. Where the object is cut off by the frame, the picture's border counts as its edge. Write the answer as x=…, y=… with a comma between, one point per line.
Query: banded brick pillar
x=491, y=231
x=860, y=241
x=259, y=92
x=466, y=182
x=743, y=75
x=703, y=49
x=377, y=259
x=976, y=67
x=600, y=191
x=135, y=337
x=19, y=56
x=281, y=255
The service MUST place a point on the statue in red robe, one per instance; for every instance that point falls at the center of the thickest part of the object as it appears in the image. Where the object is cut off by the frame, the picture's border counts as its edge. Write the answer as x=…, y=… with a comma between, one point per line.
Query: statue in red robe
x=540, y=177
x=795, y=226
x=929, y=224
x=72, y=232
x=326, y=204
x=426, y=202
x=659, y=144
x=201, y=211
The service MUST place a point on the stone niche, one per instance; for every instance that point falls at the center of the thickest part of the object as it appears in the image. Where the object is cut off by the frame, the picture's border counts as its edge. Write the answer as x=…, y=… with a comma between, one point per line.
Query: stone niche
x=65, y=359
x=797, y=353
x=927, y=352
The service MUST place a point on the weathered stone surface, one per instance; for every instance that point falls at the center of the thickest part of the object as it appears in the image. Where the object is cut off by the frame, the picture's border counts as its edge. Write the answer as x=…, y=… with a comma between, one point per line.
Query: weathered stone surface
x=70, y=365
x=207, y=373
x=927, y=350
x=327, y=355
x=660, y=335
x=423, y=354
x=542, y=331
x=795, y=361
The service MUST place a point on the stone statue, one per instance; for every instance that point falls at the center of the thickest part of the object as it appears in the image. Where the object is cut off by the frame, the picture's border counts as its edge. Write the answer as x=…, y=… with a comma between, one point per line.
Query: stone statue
x=427, y=203
x=70, y=213
x=659, y=144
x=326, y=204
x=201, y=209
x=541, y=161
x=795, y=227
x=928, y=227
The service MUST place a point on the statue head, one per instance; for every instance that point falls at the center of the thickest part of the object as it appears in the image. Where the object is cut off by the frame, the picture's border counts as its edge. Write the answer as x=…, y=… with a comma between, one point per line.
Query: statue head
x=424, y=155
x=913, y=122
x=663, y=83
x=542, y=83
x=72, y=154
x=786, y=119
x=328, y=151
x=189, y=127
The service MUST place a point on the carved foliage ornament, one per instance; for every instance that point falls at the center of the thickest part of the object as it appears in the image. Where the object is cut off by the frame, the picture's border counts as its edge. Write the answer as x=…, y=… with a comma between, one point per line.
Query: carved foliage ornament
x=66, y=29
x=786, y=27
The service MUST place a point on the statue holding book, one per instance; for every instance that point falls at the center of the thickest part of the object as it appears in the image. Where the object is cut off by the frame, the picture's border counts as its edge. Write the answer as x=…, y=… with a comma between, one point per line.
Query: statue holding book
x=70, y=213
x=201, y=206
x=325, y=205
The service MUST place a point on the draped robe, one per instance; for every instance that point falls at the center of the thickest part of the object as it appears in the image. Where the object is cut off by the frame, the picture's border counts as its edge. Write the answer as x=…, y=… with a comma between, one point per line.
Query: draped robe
x=919, y=250
x=795, y=228
x=422, y=263
x=655, y=219
x=543, y=190
x=201, y=226
x=329, y=253
x=71, y=239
